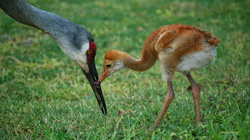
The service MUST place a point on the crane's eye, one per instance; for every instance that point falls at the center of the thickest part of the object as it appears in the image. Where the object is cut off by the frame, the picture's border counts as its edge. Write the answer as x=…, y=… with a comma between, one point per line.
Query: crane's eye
x=90, y=52
x=109, y=65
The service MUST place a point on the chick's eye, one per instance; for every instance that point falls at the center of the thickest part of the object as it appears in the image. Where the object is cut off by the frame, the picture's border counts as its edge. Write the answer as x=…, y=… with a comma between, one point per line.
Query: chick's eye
x=89, y=52
x=109, y=65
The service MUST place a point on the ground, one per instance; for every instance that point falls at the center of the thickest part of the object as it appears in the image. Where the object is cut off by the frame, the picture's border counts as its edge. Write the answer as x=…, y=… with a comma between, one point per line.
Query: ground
x=44, y=95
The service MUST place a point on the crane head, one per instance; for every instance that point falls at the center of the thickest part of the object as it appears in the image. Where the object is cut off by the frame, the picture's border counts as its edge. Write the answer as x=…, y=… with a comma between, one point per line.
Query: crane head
x=85, y=59
x=113, y=62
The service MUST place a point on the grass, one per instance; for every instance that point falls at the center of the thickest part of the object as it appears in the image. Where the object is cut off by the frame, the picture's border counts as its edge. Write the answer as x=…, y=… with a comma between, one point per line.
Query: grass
x=44, y=95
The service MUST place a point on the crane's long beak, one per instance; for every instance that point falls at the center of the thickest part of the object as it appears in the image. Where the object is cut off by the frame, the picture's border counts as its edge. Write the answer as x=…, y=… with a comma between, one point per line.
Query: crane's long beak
x=92, y=77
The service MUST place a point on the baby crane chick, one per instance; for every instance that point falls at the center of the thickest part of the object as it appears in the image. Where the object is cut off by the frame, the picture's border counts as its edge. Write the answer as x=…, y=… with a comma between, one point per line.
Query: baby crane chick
x=178, y=47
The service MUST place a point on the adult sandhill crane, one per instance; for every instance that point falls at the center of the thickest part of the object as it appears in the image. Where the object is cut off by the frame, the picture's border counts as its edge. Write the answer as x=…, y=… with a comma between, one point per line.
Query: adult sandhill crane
x=75, y=41
x=179, y=48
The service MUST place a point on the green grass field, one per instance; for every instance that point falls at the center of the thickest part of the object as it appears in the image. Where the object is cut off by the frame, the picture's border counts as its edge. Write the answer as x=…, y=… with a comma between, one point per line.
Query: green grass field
x=44, y=95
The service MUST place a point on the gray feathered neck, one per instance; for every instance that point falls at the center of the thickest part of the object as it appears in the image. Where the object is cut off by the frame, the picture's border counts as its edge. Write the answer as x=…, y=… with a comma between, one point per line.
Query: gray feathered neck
x=57, y=27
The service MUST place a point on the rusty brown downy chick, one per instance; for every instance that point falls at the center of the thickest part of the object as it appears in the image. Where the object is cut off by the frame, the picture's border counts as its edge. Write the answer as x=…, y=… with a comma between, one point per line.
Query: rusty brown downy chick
x=178, y=47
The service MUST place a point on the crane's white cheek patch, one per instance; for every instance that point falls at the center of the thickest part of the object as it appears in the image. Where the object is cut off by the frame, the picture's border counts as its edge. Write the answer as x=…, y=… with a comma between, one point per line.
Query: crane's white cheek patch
x=78, y=56
x=81, y=60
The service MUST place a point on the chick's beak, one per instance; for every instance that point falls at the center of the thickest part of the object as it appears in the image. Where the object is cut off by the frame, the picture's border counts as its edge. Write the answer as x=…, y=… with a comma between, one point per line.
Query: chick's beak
x=92, y=77
x=104, y=75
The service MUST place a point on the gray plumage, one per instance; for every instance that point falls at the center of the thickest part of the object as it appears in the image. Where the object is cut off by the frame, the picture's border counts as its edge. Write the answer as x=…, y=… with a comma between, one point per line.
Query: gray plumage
x=57, y=27
x=74, y=40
